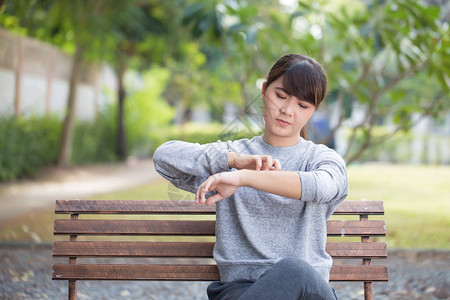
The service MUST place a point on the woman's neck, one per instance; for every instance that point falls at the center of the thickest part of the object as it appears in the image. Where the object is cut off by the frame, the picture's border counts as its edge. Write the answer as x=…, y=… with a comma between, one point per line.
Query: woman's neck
x=278, y=141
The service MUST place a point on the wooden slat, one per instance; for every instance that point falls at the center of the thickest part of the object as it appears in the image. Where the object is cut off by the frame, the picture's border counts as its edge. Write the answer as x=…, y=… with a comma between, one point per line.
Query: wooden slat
x=177, y=227
x=131, y=207
x=193, y=272
x=356, y=228
x=134, y=227
x=360, y=207
x=136, y=272
x=134, y=249
x=185, y=207
x=356, y=250
x=359, y=273
x=194, y=249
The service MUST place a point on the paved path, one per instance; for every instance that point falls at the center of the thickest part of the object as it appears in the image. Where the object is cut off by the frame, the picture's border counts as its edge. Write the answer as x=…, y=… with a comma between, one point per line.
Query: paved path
x=71, y=183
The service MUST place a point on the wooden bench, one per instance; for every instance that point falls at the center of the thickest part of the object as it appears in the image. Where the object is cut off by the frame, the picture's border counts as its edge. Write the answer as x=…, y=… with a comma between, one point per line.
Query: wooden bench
x=194, y=225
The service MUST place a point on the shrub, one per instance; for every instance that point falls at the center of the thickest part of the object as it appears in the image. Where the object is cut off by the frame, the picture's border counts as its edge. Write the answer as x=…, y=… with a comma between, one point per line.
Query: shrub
x=27, y=144
x=94, y=141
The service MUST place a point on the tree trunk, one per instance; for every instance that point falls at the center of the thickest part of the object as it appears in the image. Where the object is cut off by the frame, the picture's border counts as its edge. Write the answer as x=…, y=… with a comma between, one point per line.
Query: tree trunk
x=121, y=138
x=65, y=147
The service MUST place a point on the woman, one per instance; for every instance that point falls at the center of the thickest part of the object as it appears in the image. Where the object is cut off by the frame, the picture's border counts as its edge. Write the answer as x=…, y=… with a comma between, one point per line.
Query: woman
x=273, y=193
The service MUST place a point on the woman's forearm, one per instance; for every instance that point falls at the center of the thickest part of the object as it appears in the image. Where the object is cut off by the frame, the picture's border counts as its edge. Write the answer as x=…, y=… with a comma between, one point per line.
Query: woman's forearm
x=283, y=183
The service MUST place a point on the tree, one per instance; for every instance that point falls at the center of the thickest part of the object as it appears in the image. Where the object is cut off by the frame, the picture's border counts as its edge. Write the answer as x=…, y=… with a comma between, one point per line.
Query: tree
x=99, y=29
x=376, y=53
x=138, y=42
x=104, y=30
x=233, y=29
x=375, y=57
x=87, y=22
x=79, y=27
x=199, y=77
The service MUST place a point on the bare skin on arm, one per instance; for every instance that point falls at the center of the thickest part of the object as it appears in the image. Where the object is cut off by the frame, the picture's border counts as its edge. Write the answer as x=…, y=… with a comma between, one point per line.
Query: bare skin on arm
x=283, y=183
x=253, y=162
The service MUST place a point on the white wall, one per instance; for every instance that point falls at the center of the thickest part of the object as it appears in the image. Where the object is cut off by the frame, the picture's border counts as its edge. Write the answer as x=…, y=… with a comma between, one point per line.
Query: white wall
x=45, y=66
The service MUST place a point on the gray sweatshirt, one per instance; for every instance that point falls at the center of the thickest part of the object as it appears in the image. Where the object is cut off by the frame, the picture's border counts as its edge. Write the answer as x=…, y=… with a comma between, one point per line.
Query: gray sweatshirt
x=255, y=229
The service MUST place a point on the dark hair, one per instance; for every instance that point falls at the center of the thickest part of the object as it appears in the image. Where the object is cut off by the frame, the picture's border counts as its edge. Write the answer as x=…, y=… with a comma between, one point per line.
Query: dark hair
x=303, y=77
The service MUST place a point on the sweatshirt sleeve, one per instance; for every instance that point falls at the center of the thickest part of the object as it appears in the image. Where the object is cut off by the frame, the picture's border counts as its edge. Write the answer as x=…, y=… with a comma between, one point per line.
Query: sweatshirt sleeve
x=187, y=165
x=326, y=180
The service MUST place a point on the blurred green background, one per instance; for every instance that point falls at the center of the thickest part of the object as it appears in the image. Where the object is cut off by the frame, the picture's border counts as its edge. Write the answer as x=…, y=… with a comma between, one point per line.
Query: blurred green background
x=88, y=82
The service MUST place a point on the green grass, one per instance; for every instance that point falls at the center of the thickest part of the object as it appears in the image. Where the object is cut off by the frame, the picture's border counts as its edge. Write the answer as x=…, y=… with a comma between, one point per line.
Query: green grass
x=157, y=190
x=416, y=200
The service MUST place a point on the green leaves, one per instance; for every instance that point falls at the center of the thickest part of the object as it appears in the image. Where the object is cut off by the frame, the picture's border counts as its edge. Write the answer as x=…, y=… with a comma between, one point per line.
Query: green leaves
x=203, y=17
x=17, y=157
x=193, y=12
x=391, y=56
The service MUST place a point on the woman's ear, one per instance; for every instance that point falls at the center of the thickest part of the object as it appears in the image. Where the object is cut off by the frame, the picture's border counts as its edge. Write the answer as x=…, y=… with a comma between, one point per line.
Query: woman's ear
x=263, y=90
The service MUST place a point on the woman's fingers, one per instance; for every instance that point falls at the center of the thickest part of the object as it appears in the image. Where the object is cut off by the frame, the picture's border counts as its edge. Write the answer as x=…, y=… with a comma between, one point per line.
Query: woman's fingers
x=276, y=165
x=258, y=163
x=224, y=184
x=198, y=194
x=214, y=198
x=268, y=162
x=271, y=164
x=263, y=162
x=208, y=185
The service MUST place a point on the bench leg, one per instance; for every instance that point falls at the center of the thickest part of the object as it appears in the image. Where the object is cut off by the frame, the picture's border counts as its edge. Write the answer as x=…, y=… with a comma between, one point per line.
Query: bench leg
x=72, y=290
x=73, y=260
x=368, y=291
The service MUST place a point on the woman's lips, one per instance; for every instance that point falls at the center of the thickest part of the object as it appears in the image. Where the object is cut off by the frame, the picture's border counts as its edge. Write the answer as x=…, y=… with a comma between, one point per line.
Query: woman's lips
x=283, y=123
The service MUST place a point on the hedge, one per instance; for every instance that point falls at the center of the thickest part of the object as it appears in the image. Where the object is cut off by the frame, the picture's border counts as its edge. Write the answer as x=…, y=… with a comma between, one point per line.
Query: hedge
x=27, y=144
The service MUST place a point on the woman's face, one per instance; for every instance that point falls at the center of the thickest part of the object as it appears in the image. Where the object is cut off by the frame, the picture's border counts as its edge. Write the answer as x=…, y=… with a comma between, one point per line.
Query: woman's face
x=284, y=115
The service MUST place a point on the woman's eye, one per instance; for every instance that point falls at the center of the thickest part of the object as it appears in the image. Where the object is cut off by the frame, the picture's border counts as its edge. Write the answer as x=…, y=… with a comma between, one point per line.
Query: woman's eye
x=302, y=106
x=279, y=96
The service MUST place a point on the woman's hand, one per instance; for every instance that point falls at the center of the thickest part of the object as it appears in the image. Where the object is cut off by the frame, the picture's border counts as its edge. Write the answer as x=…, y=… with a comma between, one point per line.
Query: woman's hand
x=253, y=162
x=225, y=184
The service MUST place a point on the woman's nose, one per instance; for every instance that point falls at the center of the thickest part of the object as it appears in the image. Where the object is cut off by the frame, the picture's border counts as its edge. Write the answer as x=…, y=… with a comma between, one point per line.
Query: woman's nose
x=287, y=108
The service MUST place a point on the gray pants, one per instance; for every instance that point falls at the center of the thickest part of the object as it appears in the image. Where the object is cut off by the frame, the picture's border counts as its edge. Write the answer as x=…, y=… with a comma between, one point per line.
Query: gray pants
x=290, y=278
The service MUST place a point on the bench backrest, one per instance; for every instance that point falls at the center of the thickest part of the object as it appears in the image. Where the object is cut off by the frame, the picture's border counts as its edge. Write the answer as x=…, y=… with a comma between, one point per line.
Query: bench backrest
x=181, y=242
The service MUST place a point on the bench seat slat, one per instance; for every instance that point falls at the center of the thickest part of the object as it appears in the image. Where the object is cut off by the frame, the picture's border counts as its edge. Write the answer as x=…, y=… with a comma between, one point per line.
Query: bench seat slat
x=185, y=207
x=359, y=273
x=136, y=272
x=131, y=207
x=360, y=207
x=178, y=227
x=193, y=249
x=192, y=272
x=356, y=228
x=134, y=227
x=356, y=250
x=134, y=249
